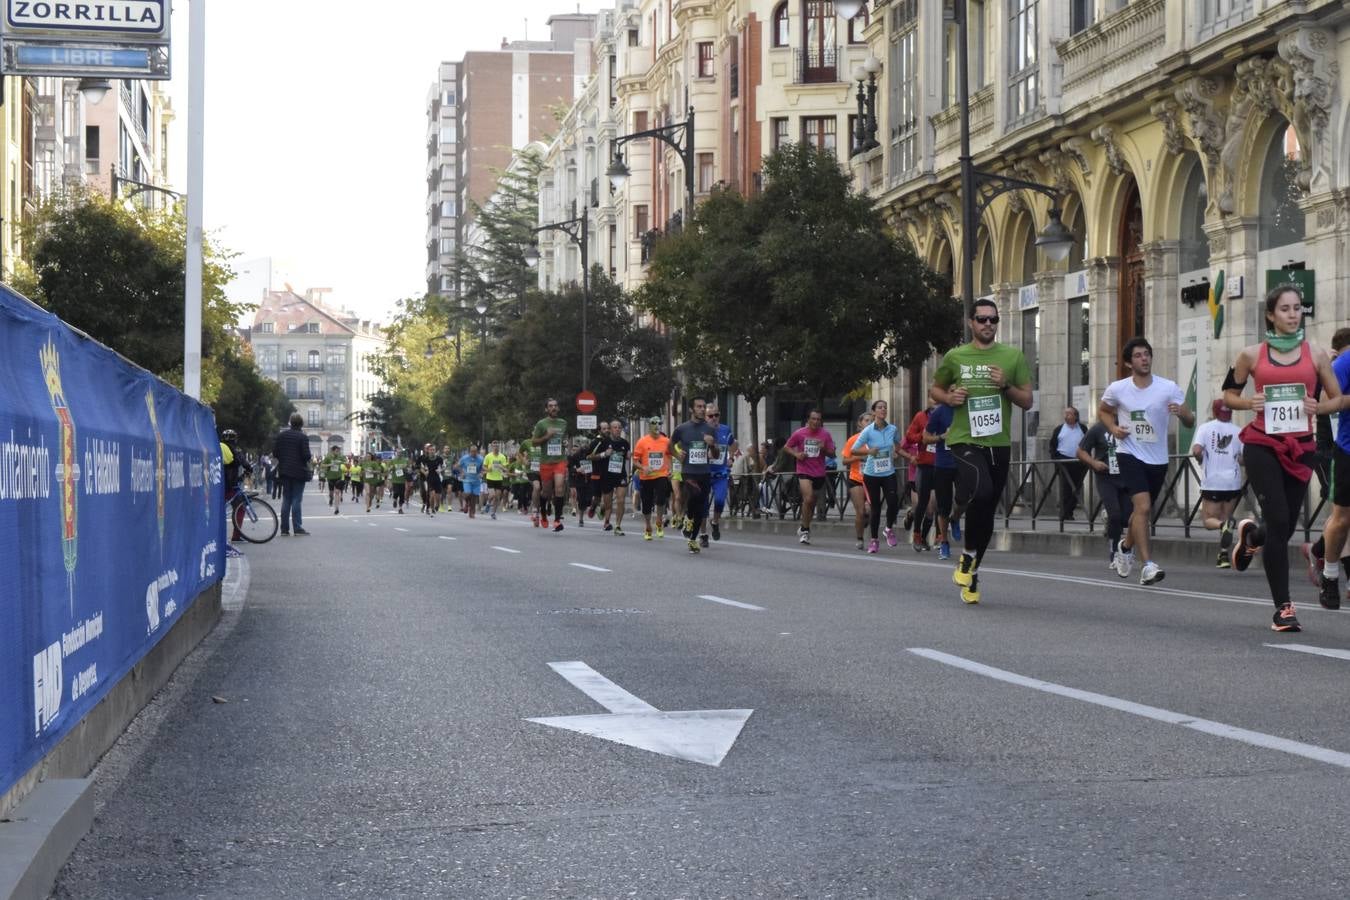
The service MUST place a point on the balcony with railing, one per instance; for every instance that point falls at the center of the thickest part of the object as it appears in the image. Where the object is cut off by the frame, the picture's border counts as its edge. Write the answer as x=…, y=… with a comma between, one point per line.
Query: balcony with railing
x=304, y=395
x=815, y=65
x=947, y=123
x=1113, y=52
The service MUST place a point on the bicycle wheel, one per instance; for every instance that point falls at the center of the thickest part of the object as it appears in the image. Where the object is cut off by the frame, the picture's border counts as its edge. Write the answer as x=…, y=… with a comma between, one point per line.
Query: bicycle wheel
x=256, y=521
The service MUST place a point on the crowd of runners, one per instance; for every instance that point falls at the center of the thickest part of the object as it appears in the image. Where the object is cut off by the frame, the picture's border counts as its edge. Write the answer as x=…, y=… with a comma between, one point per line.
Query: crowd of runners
x=957, y=457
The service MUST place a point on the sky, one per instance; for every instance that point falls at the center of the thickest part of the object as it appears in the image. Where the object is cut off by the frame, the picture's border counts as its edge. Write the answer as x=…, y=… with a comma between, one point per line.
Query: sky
x=316, y=131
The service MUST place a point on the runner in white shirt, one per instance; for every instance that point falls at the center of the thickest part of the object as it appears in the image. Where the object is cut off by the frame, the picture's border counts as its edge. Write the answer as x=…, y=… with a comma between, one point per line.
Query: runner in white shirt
x=1136, y=410
x=1219, y=450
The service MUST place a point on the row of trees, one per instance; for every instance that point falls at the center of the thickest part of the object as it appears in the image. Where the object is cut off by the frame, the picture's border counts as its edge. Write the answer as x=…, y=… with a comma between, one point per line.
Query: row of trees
x=117, y=273
x=801, y=286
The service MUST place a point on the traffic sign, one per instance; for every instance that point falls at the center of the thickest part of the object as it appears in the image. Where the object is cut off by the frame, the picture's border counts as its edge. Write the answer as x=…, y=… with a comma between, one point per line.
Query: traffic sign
x=586, y=402
x=586, y=423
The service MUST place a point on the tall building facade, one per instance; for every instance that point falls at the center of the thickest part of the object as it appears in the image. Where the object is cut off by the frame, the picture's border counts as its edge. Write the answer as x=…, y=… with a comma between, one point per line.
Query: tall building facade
x=481, y=109
x=1185, y=139
x=322, y=358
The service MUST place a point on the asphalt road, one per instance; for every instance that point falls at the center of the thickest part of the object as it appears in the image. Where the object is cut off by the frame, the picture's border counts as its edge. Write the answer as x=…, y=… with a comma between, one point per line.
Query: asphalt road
x=1075, y=735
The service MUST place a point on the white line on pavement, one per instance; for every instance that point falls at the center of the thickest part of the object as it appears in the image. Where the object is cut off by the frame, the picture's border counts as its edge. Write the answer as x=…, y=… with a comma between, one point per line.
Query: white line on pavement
x=600, y=689
x=1077, y=580
x=1309, y=648
x=446, y=537
x=506, y=549
x=1218, y=729
x=590, y=568
x=726, y=602
x=404, y=530
x=373, y=524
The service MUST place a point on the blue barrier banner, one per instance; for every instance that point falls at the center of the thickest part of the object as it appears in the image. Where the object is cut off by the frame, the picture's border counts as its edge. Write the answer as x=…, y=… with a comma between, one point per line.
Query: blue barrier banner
x=111, y=522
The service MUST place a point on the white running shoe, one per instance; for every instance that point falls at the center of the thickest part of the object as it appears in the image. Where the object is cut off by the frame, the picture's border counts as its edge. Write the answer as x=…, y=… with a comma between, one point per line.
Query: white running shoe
x=1151, y=573
x=1124, y=563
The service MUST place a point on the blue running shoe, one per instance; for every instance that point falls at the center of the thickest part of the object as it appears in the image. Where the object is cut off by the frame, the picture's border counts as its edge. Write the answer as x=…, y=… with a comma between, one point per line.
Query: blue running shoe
x=944, y=550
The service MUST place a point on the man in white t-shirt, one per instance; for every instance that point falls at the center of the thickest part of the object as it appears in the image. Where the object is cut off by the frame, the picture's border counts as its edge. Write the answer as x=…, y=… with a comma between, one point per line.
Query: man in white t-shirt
x=1219, y=450
x=1137, y=410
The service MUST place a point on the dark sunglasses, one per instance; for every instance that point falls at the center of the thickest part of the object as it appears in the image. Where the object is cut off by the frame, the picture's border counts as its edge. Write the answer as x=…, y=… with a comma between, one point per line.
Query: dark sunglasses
x=986, y=320
x=714, y=415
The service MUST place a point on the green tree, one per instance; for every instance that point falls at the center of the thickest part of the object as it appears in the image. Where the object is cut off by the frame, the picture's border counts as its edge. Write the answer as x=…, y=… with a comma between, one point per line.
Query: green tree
x=118, y=274
x=493, y=269
x=505, y=379
x=417, y=360
x=801, y=285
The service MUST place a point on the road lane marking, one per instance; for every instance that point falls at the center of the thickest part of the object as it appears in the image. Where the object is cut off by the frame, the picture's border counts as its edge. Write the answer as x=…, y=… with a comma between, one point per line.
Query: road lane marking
x=446, y=537
x=1309, y=648
x=1218, y=729
x=599, y=688
x=736, y=603
x=373, y=524
x=1075, y=580
x=700, y=735
x=506, y=549
x=404, y=530
x=590, y=568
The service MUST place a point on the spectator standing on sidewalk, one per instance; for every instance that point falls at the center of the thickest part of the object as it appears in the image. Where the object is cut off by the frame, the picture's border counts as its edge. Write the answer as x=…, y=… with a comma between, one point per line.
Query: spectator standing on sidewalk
x=1064, y=441
x=291, y=449
x=269, y=467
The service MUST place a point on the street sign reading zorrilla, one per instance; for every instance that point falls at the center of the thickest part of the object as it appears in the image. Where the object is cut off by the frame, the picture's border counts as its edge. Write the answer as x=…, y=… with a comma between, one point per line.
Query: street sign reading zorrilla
x=114, y=39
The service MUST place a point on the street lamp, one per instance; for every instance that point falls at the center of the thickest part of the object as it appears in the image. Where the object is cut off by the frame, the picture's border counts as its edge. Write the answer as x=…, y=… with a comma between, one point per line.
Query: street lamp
x=849, y=8
x=679, y=135
x=577, y=230
x=978, y=189
x=865, y=132
x=94, y=89
x=137, y=187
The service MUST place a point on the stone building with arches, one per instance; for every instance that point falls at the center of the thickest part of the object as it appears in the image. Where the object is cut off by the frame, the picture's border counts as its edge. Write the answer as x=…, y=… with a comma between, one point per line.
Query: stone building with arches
x=1185, y=137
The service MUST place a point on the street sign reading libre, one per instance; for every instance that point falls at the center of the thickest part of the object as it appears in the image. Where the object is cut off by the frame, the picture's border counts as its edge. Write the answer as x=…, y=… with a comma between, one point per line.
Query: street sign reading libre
x=86, y=38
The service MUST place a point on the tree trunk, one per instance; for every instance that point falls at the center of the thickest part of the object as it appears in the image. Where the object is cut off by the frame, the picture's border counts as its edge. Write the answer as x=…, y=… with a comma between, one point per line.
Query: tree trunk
x=754, y=425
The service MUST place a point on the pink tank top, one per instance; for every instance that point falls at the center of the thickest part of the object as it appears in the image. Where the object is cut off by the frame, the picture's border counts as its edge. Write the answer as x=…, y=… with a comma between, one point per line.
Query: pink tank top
x=1280, y=383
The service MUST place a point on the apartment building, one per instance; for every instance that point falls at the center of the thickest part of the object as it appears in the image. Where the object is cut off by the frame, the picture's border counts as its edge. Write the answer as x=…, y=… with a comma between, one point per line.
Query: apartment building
x=322, y=358
x=1185, y=138
x=482, y=108
x=56, y=138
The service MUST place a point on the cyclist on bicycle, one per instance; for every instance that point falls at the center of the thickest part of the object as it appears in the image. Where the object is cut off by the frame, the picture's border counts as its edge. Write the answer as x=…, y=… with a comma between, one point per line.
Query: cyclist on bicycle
x=231, y=462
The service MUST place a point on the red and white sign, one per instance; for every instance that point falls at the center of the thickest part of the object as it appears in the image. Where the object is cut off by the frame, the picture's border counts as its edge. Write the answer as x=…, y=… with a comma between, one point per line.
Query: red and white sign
x=586, y=402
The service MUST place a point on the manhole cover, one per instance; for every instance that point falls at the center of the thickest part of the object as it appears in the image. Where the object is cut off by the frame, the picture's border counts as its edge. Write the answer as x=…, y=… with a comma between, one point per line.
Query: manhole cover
x=593, y=611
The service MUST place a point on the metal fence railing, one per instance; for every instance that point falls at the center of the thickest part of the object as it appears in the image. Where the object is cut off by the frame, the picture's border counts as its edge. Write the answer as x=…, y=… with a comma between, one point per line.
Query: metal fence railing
x=1030, y=499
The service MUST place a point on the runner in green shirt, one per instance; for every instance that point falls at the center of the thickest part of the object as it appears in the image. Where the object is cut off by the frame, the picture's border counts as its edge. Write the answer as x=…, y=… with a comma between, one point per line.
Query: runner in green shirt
x=398, y=479
x=356, y=475
x=495, y=466
x=550, y=433
x=980, y=381
x=372, y=473
x=333, y=468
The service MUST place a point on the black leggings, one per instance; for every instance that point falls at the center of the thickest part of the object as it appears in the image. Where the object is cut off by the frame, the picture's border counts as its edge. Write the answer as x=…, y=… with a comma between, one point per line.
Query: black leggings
x=923, y=485
x=697, y=491
x=981, y=473
x=1281, y=497
x=944, y=482
x=1117, y=504
x=878, y=486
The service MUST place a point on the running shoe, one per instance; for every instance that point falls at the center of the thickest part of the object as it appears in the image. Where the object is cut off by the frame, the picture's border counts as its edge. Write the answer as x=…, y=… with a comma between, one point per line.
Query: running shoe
x=872, y=546
x=1123, y=561
x=1284, y=619
x=1152, y=573
x=916, y=542
x=660, y=532
x=1242, y=550
x=494, y=515
x=891, y=539
x=803, y=536
x=716, y=531
x=1314, y=566
x=1223, y=561
x=965, y=571
x=400, y=510
x=909, y=521
x=335, y=511
x=688, y=528
x=534, y=520
x=693, y=546
x=591, y=512
x=557, y=525
x=956, y=529
x=618, y=532
x=581, y=521
x=703, y=540
x=971, y=593
x=646, y=535
x=1329, y=592
x=944, y=550
x=608, y=527
x=860, y=543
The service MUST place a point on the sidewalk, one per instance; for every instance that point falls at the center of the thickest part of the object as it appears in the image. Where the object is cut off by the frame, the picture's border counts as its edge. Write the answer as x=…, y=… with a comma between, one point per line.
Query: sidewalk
x=1169, y=544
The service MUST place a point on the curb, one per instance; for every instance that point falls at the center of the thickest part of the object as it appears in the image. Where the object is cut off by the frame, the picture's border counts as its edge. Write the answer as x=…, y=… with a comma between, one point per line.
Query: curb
x=40, y=834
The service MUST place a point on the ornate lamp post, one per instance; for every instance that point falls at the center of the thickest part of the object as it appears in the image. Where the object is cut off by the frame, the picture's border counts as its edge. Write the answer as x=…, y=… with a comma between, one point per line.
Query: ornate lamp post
x=578, y=231
x=679, y=135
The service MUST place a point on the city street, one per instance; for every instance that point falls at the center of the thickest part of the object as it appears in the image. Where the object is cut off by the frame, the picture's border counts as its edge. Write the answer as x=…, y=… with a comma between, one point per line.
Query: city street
x=1075, y=735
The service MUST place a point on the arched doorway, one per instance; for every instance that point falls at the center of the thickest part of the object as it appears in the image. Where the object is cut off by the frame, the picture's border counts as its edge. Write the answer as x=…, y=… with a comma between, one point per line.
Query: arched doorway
x=1130, y=304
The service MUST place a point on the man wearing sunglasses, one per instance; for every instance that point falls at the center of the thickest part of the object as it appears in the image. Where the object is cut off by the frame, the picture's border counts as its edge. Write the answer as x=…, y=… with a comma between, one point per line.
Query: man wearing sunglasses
x=981, y=381
x=719, y=467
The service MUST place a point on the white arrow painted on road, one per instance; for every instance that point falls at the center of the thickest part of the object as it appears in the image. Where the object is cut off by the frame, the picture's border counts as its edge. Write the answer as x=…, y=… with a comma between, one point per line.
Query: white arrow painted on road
x=701, y=735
